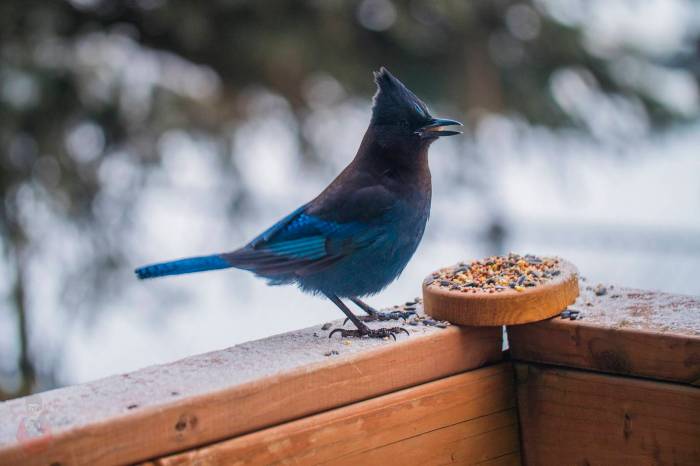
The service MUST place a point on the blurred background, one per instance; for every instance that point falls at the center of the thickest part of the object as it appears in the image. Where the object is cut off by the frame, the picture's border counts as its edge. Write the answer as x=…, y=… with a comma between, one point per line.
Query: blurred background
x=144, y=130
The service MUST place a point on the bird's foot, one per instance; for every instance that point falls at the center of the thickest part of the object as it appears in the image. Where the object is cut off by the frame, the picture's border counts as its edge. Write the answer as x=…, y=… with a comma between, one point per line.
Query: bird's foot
x=379, y=316
x=374, y=315
x=369, y=332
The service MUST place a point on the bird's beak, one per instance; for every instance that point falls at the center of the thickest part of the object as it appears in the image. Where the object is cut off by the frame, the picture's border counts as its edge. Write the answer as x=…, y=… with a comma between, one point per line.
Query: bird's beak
x=436, y=129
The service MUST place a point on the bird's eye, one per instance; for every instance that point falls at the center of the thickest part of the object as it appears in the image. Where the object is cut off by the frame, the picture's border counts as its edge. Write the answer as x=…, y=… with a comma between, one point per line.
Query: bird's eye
x=420, y=111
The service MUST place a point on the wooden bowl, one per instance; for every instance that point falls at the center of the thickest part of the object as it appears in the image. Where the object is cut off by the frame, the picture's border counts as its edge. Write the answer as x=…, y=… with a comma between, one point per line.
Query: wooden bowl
x=508, y=307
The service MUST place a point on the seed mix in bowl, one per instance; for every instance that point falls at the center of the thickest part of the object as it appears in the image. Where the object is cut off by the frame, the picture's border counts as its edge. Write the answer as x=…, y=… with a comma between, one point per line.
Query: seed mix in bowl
x=498, y=273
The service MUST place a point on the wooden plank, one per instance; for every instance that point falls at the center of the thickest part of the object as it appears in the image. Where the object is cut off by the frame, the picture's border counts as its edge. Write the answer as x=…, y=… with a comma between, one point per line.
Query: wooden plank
x=469, y=442
x=625, y=331
x=210, y=397
x=464, y=419
x=509, y=459
x=576, y=417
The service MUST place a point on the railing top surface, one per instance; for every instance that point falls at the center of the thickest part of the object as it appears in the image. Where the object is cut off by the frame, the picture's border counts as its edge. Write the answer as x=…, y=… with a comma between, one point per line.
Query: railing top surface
x=634, y=309
x=619, y=330
x=198, y=374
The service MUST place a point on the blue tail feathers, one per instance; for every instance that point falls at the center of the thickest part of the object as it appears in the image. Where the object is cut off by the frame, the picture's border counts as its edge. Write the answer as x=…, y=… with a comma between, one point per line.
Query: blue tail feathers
x=189, y=265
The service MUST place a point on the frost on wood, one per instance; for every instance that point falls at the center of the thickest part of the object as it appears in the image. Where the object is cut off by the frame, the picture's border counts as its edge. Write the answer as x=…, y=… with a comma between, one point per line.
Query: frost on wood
x=161, y=385
x=629, y=308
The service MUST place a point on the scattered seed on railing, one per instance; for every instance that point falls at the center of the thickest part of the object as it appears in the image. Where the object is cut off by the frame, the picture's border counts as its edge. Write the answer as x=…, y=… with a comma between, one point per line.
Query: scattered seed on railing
x=570, y=314
x=426, y=321
x=498, y=273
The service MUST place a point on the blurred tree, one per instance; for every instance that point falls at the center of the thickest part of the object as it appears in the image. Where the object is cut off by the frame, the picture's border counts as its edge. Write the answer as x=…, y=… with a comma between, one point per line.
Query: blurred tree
x=83, y=82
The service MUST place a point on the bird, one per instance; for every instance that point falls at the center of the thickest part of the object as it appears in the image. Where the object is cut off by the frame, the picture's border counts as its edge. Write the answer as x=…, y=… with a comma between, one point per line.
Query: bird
x=358, y=234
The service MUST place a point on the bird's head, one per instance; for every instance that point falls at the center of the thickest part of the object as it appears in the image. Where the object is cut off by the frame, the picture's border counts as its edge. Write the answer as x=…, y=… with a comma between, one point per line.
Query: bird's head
x=401, y=114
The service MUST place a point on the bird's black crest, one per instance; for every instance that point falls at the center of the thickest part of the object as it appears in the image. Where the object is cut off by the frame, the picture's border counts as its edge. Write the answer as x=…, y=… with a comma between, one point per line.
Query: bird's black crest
x=386, y=81
x=393, y=100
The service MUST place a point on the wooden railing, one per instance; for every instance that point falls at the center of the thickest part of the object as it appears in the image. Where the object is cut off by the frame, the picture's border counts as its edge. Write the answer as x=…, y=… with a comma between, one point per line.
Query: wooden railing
x=619, y=385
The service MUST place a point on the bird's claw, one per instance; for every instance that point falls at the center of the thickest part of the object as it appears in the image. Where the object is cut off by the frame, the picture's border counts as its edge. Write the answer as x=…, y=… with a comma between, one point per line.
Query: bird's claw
x=370, y=332
x=384, y=316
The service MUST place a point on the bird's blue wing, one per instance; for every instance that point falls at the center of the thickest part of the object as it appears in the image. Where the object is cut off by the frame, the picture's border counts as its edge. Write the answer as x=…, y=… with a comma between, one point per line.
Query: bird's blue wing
x=300, y=244
x=278, y=227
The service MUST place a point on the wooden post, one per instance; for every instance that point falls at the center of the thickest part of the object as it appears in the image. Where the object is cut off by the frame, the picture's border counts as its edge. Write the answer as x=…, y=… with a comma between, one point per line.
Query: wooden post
x=574, y=417
x=570, y=416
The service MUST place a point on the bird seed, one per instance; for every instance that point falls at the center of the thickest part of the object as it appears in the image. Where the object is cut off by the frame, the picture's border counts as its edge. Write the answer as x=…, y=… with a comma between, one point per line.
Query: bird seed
x=498, y=273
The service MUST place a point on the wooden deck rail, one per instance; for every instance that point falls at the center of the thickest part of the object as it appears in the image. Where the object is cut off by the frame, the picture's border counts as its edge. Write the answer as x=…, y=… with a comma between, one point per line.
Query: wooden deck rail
x=618, y=386
x=203, y=399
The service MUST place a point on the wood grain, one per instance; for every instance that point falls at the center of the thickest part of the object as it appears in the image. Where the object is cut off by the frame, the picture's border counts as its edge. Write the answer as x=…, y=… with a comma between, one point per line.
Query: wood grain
x=652, y=335
x=583, y=418
x=509, y=307
x=464, y=419
x=207, y=398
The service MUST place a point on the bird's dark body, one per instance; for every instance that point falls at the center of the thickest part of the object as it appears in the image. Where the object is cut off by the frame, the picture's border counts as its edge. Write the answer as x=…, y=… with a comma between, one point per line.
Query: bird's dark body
x=380, y=205
x=374, y=267
x=357, y=236
x=391, y=199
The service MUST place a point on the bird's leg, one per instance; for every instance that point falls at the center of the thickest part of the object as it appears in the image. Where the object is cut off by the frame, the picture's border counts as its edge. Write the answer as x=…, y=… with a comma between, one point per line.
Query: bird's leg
x=362, y=330
x=373, y=314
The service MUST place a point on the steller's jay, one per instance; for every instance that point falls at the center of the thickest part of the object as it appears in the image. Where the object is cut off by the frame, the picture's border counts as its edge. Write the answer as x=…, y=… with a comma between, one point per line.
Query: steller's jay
x=357, y=236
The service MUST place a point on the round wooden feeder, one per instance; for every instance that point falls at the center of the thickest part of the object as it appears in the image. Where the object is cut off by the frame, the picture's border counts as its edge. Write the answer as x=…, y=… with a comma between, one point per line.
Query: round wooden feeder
x=506, y=307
